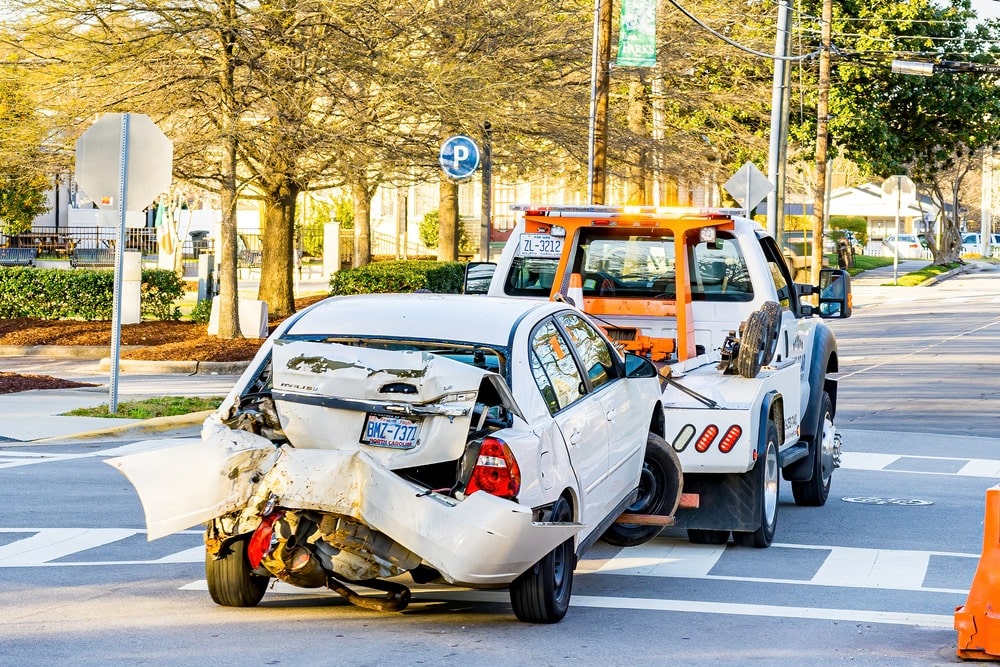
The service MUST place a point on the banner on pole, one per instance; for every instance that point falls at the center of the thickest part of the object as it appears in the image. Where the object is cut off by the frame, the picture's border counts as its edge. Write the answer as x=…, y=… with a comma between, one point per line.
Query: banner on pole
x=637, y=34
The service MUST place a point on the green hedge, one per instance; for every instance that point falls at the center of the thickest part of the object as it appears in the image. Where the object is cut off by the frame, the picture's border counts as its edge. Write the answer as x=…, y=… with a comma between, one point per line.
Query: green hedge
x=400, y=276
x=56, y=294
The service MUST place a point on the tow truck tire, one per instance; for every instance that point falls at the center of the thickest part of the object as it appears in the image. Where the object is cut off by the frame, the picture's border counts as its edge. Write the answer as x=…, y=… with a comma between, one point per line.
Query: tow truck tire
x=660, y=484
x=766, y=475
x=541, y=595
x=231, y=581
x=814, y=492
x=758, y=339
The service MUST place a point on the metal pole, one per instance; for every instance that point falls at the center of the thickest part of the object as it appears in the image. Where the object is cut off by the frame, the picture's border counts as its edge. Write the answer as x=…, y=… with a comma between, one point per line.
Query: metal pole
x=592, y=131
x=487, y=222
x=779, y=119
x=986, y=219
x=895, y=245
x=116, y=308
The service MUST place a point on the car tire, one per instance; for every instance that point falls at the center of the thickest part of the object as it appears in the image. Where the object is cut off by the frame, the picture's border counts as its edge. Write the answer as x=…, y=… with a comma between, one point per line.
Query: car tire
x=815, y=491
x=660, y=484
x=766, y=476
x=231, y=581
x=699, y=536
x=541, y=595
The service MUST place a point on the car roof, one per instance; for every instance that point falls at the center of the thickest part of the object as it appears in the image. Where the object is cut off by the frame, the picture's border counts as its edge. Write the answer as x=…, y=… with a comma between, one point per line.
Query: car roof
x=458, y=317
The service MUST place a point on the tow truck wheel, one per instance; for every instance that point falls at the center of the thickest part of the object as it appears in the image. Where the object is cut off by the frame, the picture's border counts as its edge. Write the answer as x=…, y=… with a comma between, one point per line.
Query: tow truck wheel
x=231, y=581
x=541, y=595
x=766, y=475
x=814, y=492
x=660, y=484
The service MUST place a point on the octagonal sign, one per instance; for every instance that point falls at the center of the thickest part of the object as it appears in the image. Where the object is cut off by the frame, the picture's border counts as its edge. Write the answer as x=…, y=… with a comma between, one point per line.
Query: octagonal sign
x=128, y=139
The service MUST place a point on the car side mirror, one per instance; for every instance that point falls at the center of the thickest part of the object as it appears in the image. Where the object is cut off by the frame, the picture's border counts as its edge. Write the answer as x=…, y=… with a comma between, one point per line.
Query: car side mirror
x=834, y=293
x=639, y=367
x=478, y=276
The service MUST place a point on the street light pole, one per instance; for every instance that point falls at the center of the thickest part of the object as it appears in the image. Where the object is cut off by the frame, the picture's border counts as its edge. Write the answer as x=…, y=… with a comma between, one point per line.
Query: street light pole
x=779, y=120
x=822, y=139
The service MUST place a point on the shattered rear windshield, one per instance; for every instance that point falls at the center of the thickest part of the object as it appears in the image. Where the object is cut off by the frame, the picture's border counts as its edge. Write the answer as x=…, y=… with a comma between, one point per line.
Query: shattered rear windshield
x=473, y=354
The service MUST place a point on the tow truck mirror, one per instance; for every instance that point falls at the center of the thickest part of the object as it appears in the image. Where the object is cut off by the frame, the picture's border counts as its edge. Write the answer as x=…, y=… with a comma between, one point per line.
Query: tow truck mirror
x=478, y=276
x=834, y=293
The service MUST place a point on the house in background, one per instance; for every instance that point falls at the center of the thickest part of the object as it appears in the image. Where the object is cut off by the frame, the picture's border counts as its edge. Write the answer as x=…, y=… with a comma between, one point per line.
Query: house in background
x=869, y=202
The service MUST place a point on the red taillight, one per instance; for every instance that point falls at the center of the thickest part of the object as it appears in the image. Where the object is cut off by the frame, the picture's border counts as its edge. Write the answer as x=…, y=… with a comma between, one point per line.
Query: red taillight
x=260, y=541
x=496, y=471
x=729, y=439
x=706, y=438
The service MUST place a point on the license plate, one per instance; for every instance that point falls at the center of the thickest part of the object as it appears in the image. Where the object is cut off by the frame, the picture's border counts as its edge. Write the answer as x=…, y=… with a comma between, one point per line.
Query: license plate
x=390, y=431
x=541, y=245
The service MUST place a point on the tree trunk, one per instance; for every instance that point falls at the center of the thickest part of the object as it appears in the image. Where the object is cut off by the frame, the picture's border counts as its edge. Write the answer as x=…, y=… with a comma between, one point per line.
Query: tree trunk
x=277, y=248
x=361, y=197
x=447, y=221
x=636, y=182
x=229, y=316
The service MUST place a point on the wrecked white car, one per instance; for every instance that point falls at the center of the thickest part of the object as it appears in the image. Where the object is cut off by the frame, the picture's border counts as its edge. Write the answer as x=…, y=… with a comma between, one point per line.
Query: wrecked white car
x=482, y=442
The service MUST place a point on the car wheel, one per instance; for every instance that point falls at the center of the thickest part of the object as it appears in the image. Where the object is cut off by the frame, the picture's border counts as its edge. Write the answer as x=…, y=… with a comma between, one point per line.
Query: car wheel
x=231, y=581
x=541, y=595
x=698, y=536
x=766, y=476
x=814, y=492
x=660, y=484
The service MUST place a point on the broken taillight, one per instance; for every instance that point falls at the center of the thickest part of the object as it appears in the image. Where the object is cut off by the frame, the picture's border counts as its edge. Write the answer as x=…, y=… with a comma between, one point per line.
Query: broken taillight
x=260, y=541
x=496, y=471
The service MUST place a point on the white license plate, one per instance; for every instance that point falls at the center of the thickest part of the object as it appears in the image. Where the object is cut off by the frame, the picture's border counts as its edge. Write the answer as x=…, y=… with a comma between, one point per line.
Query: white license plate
x=390, y=431
x=541, y=245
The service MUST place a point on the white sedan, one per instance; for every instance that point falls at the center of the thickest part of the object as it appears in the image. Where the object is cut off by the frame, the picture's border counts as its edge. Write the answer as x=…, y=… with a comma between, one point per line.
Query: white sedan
x=476, y=441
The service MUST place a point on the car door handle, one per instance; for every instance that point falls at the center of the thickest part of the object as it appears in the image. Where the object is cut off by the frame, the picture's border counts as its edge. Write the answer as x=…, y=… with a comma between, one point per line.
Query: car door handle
x=612, y=413
x=575, y=437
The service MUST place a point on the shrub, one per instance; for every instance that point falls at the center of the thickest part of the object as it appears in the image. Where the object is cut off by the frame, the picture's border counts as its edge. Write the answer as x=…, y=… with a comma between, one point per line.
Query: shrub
x=55, y=294
x=400, y=276
x=430, y=229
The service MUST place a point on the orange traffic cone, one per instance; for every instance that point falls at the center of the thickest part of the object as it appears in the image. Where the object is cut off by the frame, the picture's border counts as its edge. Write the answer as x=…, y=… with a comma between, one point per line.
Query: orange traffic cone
x=978, y=621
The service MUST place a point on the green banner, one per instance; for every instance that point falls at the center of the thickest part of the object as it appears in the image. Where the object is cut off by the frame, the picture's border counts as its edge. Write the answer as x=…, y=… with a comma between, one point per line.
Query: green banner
x=637, y=34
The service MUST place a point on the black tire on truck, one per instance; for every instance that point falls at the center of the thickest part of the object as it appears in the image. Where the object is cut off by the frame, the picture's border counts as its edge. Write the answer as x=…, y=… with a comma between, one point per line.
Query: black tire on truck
x=766, y=474
x=541, y=595
x=231, y=581
x=758, y=339
x=815, y=491
x=660, y=484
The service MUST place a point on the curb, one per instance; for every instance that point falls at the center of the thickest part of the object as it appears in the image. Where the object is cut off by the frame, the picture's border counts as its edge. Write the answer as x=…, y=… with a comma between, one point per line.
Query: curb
x=58, y=351
x=152, y=425
x=141, y=366
x=934, y=280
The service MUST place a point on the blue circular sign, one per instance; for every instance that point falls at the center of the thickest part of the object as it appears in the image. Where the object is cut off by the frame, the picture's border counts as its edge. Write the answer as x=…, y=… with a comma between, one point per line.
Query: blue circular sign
x=459, y=156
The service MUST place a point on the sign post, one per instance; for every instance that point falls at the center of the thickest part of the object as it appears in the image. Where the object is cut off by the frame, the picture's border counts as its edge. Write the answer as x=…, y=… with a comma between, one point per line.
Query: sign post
x=123, y=161
x=905, y=193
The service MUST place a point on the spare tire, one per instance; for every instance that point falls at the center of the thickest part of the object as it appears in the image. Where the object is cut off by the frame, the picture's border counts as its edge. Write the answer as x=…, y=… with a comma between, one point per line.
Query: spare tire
x=758, y=339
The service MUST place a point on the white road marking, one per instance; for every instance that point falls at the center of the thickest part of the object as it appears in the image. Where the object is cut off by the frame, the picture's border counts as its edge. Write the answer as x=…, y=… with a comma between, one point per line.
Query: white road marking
x=873, y=568
x=661, y=558
x=988, y=468
x=51, y=543
x=652, y=604
x=14, y=459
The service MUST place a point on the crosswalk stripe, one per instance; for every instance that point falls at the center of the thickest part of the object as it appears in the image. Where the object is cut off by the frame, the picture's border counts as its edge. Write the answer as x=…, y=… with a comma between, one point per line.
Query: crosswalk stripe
x=988, y=468
x=48, y=544
x=654, y=604
x=873, y=568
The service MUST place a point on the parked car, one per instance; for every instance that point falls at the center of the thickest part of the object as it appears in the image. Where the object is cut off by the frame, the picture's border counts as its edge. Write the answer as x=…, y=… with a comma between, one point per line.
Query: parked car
x=482, y=442
x=909, y=246
x=972, y=243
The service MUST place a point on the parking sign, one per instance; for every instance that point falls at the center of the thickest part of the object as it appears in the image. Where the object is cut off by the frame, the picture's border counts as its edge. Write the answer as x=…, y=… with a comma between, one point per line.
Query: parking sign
x=459, y=157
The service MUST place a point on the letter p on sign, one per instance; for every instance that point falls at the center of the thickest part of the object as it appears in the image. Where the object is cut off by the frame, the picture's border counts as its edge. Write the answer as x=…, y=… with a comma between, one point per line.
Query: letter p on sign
x=459, y=157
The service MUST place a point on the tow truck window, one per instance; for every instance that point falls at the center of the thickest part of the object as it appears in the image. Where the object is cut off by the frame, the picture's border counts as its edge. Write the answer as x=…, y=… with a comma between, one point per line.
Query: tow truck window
x=643, y=266
x=531, y=276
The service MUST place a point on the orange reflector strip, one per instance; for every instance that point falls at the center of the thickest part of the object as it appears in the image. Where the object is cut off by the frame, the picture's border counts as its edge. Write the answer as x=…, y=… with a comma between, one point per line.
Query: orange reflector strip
x=729, y=439
x=706, y=438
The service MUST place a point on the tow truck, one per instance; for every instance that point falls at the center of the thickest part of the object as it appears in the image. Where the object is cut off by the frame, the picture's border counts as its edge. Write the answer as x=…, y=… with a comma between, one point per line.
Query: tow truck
x=744, y=353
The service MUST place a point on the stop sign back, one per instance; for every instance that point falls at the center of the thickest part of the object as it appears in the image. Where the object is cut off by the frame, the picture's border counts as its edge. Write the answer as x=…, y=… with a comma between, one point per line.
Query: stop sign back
x=124, y=138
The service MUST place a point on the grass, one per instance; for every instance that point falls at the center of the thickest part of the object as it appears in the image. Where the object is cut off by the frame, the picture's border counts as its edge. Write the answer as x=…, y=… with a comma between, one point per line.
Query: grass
x=864, y=263
x=915, y=278
x=166, y=406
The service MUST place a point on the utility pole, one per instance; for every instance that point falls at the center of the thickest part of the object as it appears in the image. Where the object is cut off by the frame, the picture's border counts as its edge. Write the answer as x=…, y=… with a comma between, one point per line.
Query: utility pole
x=779, y=121
x=822, y=139
x=600, y=75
